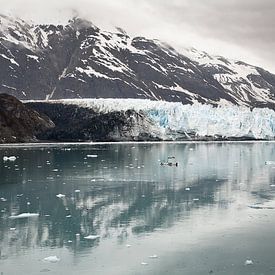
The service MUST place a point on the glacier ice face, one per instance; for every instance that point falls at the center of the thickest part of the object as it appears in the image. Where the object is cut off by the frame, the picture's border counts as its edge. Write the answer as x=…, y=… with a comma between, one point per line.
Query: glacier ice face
x=173, y=120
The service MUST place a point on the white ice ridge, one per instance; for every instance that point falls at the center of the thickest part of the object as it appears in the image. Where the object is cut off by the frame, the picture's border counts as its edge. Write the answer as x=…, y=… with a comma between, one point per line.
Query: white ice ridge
x=202, y=120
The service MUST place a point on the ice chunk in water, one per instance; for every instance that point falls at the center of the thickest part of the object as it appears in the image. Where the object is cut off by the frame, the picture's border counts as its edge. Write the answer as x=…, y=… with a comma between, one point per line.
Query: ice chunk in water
x=153, y=256
x=92, y=156
x=24, y=215
x=269, y=162
x=11, y=158
x=248, y=262
x=51, y=259
x=143, y=263
x=92, y=237
x=60, y=196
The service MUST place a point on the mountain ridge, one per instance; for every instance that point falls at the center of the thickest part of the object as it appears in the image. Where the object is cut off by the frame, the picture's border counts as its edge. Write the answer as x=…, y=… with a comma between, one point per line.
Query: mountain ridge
x=78, y=60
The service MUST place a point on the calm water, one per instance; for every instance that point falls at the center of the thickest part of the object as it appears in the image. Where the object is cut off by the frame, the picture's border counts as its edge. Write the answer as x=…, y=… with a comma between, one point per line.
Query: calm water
x=206, y=216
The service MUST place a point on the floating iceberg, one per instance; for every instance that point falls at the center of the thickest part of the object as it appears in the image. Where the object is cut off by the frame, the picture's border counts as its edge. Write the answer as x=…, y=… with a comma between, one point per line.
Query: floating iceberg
x=60, y=196
x=51, y=259
x=91, y=156
x=153, y=256
x=24, y=215
x=11, y=158
x=248, y=262
x=92, y=237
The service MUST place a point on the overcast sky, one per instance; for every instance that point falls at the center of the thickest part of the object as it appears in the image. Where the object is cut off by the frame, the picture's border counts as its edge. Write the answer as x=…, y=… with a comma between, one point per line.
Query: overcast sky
x=239, y=29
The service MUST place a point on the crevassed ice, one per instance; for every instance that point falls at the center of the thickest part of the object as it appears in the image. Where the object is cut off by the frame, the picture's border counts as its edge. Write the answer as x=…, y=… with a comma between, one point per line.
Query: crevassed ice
x=200, y=119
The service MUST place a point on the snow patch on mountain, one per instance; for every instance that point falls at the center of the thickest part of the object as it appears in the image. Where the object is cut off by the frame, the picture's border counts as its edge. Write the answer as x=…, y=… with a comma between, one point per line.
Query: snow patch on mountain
x=79, y=60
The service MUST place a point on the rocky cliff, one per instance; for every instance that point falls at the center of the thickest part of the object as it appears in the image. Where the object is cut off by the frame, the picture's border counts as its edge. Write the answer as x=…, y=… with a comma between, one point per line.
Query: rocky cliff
x=18, y=123
x=74, y=123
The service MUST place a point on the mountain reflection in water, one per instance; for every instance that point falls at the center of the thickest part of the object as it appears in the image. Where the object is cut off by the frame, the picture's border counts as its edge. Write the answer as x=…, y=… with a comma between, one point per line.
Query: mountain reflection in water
x=122, y=191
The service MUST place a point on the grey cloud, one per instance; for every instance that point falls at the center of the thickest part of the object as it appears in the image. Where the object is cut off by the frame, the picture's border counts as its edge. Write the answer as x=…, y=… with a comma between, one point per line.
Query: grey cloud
x=237, y=29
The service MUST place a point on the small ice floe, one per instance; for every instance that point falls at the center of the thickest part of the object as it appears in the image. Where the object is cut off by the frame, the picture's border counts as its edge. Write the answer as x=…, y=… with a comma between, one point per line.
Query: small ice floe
x=68, y=216
x=272, y=185
x=60, y=196
x=153, y=256
x=12, y=229
x=187, y=189
x=28, y=203
x=269, y=162
x=143, y=263
x=51, y=259
x=248, y=262
x=77, y=191
x=262, y=206
x=45, y=270
x=24, y=215
x=3, y=199
x=128, y=245
x=69, y=241
x=196, y=199
x=92, y=156
x=55, y=170
x=92, y=237
x=11, y=158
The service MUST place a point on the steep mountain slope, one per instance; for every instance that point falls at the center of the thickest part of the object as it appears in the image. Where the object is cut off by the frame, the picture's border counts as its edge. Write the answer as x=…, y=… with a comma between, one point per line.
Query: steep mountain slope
x=19, y=123
x=79, y=60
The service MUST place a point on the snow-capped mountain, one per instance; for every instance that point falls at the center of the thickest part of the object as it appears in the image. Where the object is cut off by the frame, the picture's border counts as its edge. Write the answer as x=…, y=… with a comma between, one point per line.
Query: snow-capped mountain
x=79, y=60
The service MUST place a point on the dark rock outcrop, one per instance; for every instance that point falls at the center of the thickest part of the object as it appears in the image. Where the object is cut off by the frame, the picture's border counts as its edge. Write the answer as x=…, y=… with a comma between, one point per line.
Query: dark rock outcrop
x=19, y=123
x=74, y=123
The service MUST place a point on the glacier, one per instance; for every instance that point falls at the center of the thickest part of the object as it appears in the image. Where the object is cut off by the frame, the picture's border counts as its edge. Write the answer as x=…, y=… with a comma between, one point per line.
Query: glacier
x=175, y=121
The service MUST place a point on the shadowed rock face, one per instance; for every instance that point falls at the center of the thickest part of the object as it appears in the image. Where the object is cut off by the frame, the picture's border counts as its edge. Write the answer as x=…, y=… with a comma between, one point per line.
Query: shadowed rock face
x=79, y=60
x=74, y=123
x=19, y=123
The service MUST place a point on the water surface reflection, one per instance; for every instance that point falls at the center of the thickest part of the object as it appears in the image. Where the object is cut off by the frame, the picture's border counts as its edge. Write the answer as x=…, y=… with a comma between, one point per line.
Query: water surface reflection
x=121, y=193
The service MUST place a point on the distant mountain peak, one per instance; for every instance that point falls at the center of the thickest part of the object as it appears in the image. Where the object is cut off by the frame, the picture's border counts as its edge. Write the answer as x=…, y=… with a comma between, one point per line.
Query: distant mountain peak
x=79, y=23
x=79, y=60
